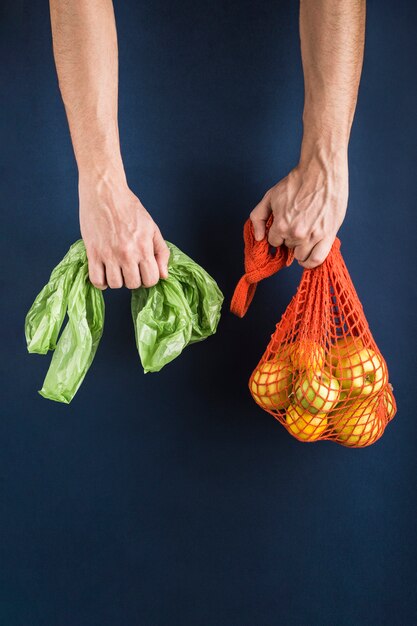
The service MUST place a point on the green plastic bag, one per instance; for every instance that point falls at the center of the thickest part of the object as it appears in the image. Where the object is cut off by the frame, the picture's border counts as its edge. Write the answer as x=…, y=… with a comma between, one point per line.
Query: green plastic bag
x=182, y=309
x=68, y=291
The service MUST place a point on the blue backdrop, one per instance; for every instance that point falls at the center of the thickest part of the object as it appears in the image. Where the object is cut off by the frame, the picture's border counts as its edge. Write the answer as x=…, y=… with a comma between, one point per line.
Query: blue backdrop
x=170, y=499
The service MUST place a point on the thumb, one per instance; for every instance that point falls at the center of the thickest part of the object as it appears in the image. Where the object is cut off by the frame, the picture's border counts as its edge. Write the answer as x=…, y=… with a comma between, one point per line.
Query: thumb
x=259, y=217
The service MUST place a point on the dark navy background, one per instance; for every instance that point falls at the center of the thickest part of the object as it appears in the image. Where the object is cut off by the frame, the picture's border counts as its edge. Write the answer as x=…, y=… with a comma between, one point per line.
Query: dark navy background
x=171, y=499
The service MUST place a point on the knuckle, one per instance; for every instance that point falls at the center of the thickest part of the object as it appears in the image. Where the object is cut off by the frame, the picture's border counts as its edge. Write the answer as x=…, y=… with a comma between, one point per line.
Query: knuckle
x=92, y=254
x=96, y=279
x=274, y=240
x=105, y=253
x=150, y=281
x=164, y=256
x=316, y=259
x=115, y=283
x=147, y=258
x=135, y=203
x=143, y=251
x=298, y=231
x=124, y=253
x=279, y=227
x=319, y=233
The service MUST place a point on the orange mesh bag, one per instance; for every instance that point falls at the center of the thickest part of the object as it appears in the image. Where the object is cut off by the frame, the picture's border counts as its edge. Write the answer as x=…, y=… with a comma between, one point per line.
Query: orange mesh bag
x=322, y=375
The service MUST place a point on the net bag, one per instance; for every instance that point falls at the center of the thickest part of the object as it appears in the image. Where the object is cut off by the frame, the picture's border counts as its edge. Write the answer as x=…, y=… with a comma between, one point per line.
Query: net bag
x=322, y=375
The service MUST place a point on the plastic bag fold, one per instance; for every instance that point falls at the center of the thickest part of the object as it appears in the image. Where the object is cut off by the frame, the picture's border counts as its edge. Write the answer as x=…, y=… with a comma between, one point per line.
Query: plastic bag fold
x=180, y=310
x=68, y=292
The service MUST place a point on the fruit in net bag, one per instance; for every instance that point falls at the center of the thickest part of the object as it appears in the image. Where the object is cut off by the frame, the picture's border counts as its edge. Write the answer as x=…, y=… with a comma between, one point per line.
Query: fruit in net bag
x=322, y=375
x=389, y=402
x=307, y=355
x=358, y=424
x=361, y=370
x=270, y=384
x=316, y=391
x=303, y=425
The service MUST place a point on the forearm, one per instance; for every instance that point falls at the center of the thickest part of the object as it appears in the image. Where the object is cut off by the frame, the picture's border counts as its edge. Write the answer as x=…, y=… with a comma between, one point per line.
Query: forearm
x=309, y=204
x=332, y=42
x=123, y=243
x=85, y=51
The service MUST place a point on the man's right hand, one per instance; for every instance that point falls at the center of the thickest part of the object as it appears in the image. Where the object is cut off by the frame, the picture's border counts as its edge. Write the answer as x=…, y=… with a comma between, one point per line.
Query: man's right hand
x=124, y=245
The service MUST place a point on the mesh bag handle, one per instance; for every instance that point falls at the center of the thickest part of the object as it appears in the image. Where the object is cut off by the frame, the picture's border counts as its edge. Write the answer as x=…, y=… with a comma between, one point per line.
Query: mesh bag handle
x=260, y=263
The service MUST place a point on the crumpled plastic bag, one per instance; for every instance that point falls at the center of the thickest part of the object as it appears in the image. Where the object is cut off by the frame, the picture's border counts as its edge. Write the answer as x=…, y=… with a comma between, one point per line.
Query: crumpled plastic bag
x=182, y=309
x=68, y=291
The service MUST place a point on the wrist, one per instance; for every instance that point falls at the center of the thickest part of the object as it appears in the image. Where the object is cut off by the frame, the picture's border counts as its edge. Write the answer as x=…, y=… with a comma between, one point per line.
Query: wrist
x=97, y=149
x=325, y=130
x=324, y=148
x=102, y=170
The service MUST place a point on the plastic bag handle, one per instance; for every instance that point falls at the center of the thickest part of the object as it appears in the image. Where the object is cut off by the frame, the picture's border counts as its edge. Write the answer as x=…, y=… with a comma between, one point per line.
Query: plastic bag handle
x=260, y=263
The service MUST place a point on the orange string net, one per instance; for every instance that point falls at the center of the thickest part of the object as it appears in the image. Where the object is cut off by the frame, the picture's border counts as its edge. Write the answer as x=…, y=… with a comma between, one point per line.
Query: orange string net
x=322, y=375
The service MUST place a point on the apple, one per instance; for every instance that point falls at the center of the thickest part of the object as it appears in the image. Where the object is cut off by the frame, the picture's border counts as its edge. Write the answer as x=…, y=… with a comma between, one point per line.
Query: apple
x=389, y=402
x=283, y=352
x=316, y=392
x=271, y=384
x=361, y=373
x=304, y=425
x=343, y=347
x=307, y=355
x=358, y=424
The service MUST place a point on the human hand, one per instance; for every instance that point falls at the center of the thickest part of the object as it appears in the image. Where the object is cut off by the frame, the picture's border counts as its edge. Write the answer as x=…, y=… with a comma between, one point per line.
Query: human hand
x=309, y=206
x=124, y=245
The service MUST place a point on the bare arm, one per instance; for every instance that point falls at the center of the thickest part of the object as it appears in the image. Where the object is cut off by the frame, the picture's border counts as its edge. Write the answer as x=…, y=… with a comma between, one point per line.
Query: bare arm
x=309, y=205
x=124, y=245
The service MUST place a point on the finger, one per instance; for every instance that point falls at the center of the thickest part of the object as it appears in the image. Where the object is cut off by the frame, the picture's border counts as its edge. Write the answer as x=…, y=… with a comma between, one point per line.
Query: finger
x=303, y=250
x=299, y=234
x=161, y=252
x=96, y=274
x=114, y=275
x=149, y=271
x=274, y=238
x=292, y=243
x=131, y=276
x=319, y=253
x=259, y=217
